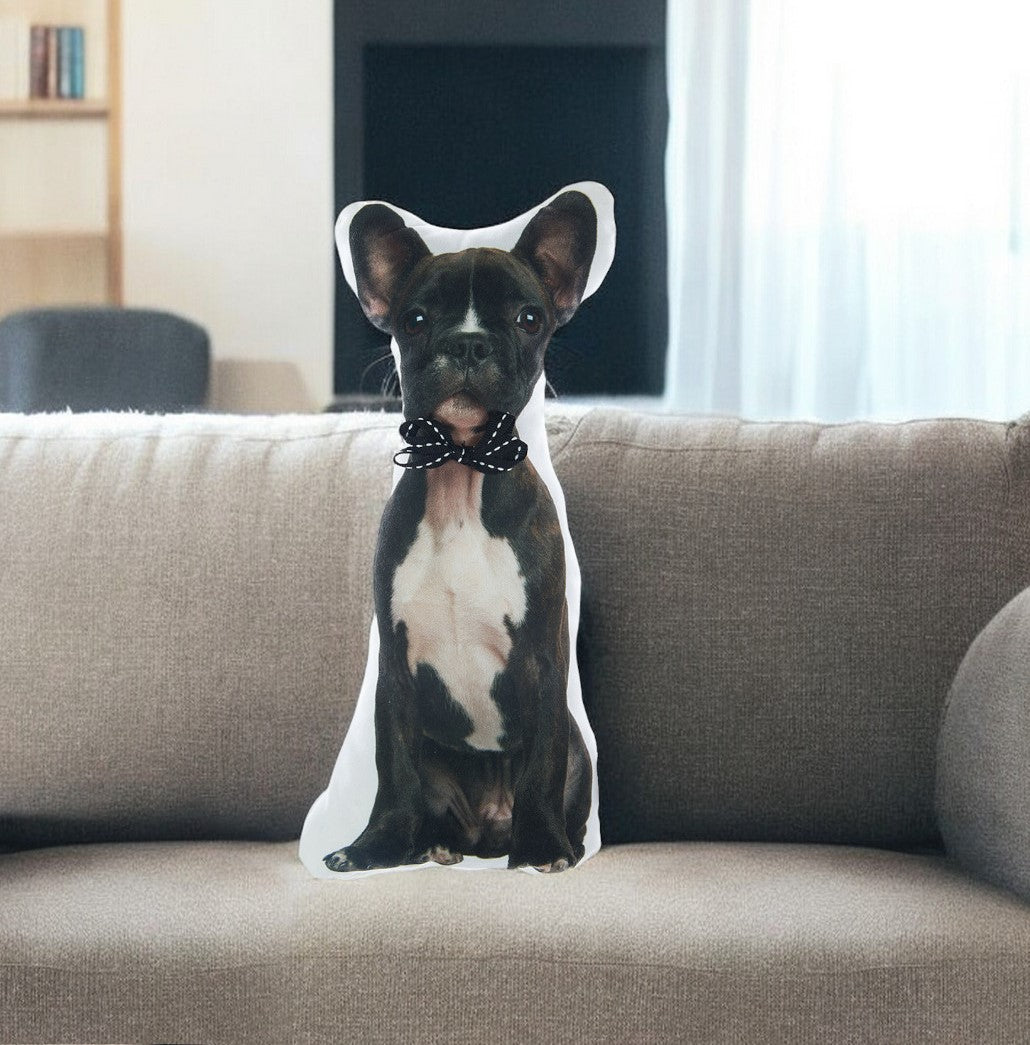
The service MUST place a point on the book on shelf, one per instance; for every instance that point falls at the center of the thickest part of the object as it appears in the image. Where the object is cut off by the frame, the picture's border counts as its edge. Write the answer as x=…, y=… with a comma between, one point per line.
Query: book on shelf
x=38, y=61
x=41, y=61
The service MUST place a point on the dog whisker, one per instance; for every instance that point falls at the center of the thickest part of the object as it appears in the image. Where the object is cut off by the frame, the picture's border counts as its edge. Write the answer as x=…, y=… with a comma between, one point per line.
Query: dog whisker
x=376, y=362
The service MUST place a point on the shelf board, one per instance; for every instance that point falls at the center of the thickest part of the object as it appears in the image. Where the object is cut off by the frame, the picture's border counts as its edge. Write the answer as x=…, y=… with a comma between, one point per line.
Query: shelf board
x=42, y=236
x=54, y=108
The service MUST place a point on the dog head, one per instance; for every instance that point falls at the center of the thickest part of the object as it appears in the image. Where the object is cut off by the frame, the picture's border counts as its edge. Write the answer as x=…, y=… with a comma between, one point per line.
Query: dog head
x=472, y=327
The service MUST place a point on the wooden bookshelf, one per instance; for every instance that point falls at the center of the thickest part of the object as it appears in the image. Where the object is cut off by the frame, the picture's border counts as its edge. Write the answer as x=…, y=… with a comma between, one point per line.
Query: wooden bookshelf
x=60, y=191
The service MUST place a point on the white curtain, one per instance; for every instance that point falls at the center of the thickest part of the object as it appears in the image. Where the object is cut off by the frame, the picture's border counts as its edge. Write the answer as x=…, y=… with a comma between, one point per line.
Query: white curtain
x=848, y=195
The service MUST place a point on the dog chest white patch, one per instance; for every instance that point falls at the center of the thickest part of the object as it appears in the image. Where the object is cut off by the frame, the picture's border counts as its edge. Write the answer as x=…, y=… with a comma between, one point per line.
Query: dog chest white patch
x=453, y=591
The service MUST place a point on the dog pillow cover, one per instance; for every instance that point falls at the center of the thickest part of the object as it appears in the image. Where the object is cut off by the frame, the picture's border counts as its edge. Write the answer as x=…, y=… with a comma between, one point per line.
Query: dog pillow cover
x=469, y=745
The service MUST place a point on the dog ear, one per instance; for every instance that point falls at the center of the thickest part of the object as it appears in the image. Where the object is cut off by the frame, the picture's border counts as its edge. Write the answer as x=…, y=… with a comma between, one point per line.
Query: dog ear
x=558, y=244
x=384, y=251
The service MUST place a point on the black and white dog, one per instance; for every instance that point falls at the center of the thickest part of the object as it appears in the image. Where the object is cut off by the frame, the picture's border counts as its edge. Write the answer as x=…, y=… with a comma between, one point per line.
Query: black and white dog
x=476, y=750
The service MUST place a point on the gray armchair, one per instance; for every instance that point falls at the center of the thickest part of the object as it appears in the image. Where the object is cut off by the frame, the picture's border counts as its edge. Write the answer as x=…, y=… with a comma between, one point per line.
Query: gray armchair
x=102, y=359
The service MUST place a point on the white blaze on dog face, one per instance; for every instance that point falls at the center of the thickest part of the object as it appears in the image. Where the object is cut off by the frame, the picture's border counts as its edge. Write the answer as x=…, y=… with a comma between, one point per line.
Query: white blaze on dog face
x=471, y=324
x=454, y=591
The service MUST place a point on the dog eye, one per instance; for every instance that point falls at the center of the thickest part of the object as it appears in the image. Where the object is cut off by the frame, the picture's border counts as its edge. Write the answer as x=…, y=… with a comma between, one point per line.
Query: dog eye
x=529, y=320
x=415, y=322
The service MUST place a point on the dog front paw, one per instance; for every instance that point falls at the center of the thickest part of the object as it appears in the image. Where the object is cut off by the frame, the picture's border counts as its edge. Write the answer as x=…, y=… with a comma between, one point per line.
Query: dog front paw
x=561, y=864
x=545, y=863
x=358, y=858
x=545, y=848
x=344, y=860
x=440, y=854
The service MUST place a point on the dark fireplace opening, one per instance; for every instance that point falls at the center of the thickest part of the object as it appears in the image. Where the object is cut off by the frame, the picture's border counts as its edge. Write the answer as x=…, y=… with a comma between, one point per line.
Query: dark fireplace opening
x=471, y=133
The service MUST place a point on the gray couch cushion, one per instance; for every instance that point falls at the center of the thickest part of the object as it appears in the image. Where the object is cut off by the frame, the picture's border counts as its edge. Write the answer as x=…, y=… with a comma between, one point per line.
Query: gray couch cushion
x=772, y=615
x=231, y=942
x=983, y=779
x=184, y=619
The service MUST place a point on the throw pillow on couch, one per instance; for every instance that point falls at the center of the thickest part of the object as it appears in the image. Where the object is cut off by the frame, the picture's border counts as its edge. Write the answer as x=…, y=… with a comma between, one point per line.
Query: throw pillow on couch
x=983, y=777
x=342, y=811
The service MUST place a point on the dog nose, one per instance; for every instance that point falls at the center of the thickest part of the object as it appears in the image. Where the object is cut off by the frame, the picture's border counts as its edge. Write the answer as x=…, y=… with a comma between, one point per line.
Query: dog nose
x=470, y=351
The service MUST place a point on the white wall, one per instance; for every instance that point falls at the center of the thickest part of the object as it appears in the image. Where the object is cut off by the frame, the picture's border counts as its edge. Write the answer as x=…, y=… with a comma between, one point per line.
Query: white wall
x=227, y=186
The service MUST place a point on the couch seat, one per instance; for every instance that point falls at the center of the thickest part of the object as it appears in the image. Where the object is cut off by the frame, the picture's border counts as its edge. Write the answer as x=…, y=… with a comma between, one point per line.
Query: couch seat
x=234, y=941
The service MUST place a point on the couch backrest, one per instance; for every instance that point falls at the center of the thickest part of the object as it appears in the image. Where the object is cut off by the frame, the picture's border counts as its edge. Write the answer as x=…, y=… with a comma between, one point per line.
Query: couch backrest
x=772, y=615
x=184, y=616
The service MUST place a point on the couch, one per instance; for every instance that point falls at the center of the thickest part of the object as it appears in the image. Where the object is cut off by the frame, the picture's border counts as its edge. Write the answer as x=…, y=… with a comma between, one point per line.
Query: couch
x=774, y=616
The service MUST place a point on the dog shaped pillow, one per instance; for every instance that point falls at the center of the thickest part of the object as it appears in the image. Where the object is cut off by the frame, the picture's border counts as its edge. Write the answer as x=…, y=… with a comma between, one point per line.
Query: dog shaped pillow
x=469, y=746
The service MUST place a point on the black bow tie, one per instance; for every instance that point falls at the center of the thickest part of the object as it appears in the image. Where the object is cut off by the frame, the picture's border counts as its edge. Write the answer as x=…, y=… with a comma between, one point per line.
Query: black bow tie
x=498, y=451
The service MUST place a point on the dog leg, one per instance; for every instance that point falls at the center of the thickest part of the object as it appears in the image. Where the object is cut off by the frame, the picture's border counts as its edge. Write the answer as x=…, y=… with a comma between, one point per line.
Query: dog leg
x=539, y=835
x=395, y=824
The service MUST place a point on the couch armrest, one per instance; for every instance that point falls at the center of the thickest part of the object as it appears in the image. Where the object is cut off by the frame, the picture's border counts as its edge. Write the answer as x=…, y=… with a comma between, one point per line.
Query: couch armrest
x=983, y=753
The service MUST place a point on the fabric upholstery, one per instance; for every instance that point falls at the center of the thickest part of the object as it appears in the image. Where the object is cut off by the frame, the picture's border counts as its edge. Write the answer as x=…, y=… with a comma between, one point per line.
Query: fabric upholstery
x=693, y=942
x=773, y=613
x=983, y=776
x=102, y=359
x=185, y=606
